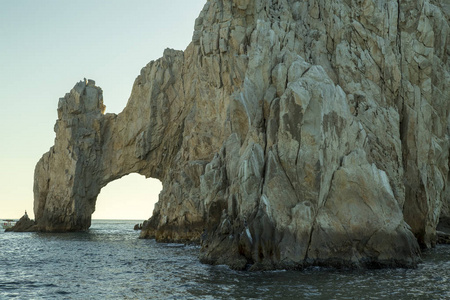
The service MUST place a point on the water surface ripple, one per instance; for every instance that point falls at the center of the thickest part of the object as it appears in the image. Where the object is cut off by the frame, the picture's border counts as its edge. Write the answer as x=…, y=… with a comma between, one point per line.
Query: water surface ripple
x=110, y=262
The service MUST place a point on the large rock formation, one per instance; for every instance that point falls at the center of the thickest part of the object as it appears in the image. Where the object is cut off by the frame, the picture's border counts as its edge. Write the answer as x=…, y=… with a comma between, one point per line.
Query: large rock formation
x=288, y=133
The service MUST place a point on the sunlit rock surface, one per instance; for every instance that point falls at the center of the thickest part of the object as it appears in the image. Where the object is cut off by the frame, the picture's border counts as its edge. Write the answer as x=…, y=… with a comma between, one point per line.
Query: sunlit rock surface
x=287, y=134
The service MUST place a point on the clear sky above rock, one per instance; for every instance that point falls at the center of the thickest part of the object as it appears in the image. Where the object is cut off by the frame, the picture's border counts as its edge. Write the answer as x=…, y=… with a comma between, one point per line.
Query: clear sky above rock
x=48, y=46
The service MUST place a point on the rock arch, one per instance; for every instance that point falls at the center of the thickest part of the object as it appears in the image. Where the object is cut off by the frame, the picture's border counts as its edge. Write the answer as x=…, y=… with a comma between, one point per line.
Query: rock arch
x=287, y=134
x=92, y=148
x=131, y=197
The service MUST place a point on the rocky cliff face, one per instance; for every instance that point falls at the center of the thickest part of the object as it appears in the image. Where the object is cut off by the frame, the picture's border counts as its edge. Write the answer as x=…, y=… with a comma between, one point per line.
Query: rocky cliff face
x=288, y=133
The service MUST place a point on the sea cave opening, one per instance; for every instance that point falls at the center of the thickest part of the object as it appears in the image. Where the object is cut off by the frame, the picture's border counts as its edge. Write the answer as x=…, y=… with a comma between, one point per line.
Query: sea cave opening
x=131, y=197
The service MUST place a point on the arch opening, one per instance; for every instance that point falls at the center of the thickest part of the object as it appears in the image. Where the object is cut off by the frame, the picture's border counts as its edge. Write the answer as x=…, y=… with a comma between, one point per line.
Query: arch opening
x=131, y=197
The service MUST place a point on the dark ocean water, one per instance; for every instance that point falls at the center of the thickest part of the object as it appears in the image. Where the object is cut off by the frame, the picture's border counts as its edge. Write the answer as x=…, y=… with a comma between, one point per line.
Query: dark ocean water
x=110, y=262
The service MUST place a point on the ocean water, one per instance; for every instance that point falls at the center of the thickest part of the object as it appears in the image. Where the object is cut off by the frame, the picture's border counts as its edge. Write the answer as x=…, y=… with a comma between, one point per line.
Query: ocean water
x=110, y=262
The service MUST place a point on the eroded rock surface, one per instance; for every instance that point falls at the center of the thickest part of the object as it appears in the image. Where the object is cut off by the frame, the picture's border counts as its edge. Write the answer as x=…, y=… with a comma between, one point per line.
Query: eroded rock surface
x=287, y=134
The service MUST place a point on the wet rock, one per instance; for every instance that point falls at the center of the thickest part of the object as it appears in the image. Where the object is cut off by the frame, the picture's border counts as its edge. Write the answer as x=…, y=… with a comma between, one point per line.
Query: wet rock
x=443, y=231
x=25, y=224
x=443, y=237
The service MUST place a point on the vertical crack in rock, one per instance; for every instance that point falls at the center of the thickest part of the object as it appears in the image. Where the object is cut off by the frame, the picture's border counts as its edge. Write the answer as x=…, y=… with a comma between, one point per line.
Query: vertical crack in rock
x=287, y=134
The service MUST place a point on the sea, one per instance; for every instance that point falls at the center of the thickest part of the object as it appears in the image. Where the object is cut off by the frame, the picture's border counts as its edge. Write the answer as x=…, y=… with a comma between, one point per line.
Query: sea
x=111, y=262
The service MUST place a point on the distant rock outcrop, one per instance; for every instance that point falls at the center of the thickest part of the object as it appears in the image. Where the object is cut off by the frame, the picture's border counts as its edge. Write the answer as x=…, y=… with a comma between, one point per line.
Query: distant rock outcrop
x=25, y=224
x=287, y=134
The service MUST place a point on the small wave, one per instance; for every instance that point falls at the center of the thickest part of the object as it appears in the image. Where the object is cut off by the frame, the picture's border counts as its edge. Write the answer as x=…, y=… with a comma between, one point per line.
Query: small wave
x=59, y=267
x=60, y=292
x=174, y=245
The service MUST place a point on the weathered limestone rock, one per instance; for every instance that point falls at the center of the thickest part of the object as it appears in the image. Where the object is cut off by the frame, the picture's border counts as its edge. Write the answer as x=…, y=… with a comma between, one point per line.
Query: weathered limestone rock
x=64, y=188
x=287, y=134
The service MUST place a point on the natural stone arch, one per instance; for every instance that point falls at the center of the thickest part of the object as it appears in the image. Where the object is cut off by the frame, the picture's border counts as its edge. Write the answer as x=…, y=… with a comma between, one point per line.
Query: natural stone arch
x=131, y=197
x=92, y=149
x=288, y=134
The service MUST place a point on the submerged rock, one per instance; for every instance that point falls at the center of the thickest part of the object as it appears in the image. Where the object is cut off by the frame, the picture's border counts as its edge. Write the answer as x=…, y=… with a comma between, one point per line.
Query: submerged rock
x=287, y=134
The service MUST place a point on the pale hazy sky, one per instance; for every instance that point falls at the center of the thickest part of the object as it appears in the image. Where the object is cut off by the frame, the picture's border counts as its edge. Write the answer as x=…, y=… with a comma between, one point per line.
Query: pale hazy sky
x=46, y=46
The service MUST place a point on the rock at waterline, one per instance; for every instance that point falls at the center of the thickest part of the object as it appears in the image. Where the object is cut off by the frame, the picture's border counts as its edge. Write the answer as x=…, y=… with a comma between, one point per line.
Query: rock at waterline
x=287, y=134
x=443, y=237
x=25, y=224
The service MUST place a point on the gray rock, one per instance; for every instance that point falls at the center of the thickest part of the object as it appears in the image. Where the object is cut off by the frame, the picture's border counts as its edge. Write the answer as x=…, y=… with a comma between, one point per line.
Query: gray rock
x=287, y=134
x=443, y=237
x=25, y=224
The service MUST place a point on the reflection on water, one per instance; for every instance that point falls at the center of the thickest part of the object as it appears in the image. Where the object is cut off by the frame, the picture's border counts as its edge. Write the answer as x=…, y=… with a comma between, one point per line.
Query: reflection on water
x=111, y=262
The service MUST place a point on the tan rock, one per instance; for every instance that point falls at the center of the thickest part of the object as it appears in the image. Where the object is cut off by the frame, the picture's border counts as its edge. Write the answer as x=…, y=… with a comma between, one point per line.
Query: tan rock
x=288, y=133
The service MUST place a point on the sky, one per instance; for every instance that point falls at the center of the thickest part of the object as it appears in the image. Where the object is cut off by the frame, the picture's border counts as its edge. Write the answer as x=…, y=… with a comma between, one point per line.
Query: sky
x=46, y=47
